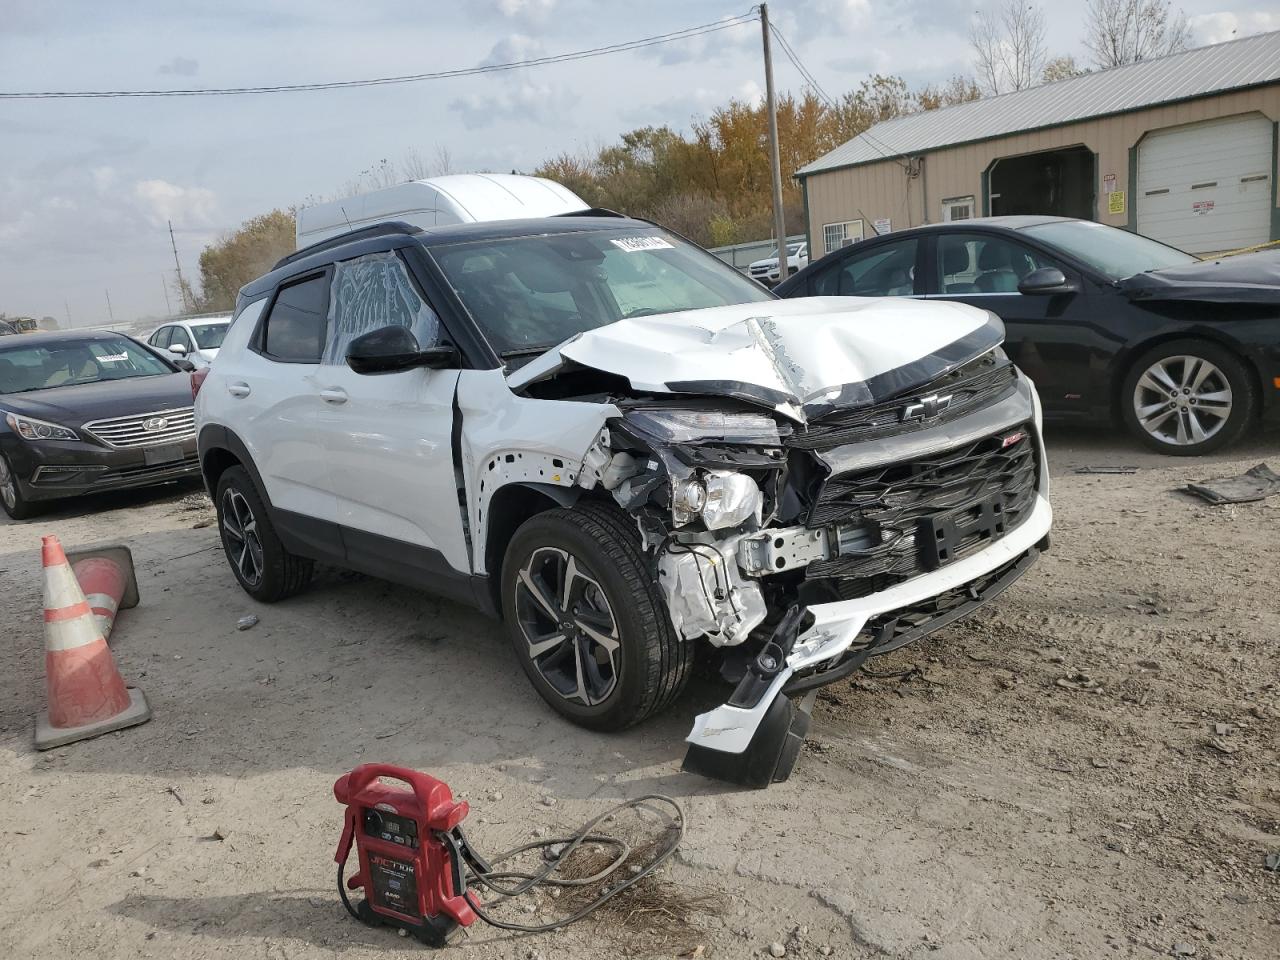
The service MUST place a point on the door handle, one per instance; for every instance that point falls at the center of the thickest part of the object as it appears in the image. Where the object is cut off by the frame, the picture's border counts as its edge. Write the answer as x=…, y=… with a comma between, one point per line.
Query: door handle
x=238, y=388
x=333, y=395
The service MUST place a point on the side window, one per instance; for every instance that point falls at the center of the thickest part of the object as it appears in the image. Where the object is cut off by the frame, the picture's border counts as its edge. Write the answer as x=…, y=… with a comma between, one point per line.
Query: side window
x=885, y=271
x=295, y=327
x=180, y=336
x=371, y=292
x=980, y=263
x=161, y=337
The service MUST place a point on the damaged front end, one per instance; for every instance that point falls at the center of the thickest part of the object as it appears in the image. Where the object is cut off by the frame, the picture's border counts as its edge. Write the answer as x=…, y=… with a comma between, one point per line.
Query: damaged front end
x=801, y=548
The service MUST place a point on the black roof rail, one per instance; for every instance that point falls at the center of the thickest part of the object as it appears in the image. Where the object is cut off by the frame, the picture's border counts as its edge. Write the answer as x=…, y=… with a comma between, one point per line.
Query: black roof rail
x=389, y=228
x=594, y=212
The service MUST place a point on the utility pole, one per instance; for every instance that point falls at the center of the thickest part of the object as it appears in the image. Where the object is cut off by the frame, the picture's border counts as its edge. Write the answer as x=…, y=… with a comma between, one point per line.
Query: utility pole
x=110, y=314
x=67, y=305
x=779, y=218
x=164, y=285
x=177, y=265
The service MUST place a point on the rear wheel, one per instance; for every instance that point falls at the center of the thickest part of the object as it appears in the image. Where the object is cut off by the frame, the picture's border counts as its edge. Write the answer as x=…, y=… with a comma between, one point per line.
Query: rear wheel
x=1188, y=397
x=11, y=498
x=263, y=567
x=587, y=622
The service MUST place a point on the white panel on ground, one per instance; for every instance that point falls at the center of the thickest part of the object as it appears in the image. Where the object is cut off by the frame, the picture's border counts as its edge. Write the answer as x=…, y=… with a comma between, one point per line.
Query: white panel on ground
x=1206, y=187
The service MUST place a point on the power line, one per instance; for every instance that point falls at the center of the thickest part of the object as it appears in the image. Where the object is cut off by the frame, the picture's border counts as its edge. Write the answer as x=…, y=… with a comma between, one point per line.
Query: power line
x=876, y=144
x=685, y=34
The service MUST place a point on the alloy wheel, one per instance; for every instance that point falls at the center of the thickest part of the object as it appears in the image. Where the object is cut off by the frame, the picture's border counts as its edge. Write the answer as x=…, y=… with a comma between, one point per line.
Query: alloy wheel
x=568, y=625
x=240, y=535
x=8, y=485
x=1182, y=400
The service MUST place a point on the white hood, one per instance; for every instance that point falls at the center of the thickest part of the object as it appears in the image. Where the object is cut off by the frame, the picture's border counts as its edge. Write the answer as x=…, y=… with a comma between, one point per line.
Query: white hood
x=798, y=356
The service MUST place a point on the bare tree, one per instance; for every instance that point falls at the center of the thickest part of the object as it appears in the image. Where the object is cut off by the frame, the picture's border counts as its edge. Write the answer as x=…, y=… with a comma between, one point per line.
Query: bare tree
x=1062, y=68
x=1008, y=45
x=1126, y=31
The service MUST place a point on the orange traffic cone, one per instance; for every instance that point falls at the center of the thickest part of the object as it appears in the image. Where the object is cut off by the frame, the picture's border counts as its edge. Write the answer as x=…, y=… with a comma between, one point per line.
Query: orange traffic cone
x=87, y=696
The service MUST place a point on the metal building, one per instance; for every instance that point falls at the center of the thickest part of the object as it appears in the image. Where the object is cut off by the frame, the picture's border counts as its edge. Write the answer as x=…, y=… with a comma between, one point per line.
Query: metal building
x=1182, y=148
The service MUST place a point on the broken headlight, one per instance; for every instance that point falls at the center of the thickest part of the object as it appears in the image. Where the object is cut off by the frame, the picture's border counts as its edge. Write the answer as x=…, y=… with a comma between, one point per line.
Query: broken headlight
x=692, y=426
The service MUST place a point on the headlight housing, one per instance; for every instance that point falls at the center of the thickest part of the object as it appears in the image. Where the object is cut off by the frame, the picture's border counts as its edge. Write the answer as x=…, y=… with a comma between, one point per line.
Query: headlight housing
x=29, y=428
x=691, y=426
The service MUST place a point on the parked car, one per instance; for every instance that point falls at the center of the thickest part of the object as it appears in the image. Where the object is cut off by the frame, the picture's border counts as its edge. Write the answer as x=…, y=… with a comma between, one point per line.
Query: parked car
x=1109, y=324
x=195, y=338
x=624, y=448
x=766, y=270
x=82, y=412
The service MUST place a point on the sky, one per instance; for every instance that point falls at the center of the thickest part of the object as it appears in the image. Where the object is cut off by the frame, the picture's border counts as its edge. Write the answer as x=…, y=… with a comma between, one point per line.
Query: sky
x=87, y=186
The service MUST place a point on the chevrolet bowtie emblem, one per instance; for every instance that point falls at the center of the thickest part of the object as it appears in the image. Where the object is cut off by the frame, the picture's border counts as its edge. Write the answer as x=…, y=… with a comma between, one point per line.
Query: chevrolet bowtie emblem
x=926, y=408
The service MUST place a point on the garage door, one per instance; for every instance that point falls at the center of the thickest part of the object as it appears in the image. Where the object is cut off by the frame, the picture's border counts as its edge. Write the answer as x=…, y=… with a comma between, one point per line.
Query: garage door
x=1206, y=187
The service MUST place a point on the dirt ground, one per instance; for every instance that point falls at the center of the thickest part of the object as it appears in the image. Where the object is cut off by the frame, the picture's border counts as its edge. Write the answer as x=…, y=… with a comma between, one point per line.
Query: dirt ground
x=1086, y=769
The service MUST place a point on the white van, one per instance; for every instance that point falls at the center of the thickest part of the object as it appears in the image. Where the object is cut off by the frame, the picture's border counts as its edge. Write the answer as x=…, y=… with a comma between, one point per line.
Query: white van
x=458, y=198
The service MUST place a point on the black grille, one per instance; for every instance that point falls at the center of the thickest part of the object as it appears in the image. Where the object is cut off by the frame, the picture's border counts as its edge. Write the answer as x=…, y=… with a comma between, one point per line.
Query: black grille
x=970, y=386
x=958, y=489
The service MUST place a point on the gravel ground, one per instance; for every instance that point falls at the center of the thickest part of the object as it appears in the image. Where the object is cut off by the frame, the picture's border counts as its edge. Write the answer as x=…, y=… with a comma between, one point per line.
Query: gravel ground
x=1086, y=769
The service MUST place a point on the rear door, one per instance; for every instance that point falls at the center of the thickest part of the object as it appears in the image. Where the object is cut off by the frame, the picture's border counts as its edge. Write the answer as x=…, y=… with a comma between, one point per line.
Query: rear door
x=271, y=397
x=1049, y=336
x=387, y=437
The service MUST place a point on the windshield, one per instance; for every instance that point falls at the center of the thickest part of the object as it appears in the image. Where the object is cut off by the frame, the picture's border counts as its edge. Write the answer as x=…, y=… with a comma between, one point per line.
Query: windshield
x=1114, y=253
x=209, y=335
x=63, y=363
x=530, y=293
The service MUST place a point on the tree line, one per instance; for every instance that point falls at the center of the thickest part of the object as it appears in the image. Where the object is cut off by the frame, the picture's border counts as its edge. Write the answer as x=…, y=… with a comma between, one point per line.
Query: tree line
x=712, y=184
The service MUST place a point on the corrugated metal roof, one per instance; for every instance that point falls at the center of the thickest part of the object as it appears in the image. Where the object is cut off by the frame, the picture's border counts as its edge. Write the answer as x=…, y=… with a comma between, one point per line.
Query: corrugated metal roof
x=1179, y=76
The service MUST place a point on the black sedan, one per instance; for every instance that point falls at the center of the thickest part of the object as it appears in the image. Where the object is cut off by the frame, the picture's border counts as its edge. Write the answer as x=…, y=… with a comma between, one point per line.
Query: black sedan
x=1109, y=324
x=82, y=412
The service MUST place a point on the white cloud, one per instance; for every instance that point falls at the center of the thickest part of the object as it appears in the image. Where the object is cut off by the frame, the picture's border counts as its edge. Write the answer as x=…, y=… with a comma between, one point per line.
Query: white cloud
x=751, y=93
x=523, y=102
x=1219, y=27
x=161, y=201
x=526, y=9
x=707, y=46
x=847, y=15
x=513, y=49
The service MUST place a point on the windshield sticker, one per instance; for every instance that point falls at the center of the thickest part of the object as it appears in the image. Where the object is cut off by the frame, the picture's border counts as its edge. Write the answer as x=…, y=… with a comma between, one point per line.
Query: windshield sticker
x=636, y=244
x=114, y=358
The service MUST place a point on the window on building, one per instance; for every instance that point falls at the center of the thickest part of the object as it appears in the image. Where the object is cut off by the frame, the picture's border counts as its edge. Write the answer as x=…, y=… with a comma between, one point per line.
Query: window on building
x=958, y=208
x=837, y=235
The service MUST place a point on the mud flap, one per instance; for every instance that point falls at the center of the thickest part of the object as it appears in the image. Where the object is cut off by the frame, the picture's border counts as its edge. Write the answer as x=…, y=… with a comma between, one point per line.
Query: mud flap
x=772, y=753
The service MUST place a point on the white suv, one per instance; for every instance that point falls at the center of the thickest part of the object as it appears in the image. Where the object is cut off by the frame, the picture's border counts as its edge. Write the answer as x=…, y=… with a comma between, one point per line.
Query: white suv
x=624, y=449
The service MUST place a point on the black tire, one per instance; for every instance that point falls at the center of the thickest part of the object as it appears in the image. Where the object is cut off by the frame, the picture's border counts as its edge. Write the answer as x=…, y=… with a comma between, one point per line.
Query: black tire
x=279, y=573
x=652, y=664
x=1230, y=373
x=15, y=504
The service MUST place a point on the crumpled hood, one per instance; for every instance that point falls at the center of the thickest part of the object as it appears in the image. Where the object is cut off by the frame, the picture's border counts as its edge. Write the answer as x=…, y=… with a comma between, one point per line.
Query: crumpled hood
x=1246, y=278
x=800, y=357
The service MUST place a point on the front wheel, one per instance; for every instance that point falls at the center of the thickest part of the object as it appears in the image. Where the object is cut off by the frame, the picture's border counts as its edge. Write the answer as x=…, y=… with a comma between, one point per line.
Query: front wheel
x=11, y=498
x=1188, y=397
x=263, y=567
x=586, y=620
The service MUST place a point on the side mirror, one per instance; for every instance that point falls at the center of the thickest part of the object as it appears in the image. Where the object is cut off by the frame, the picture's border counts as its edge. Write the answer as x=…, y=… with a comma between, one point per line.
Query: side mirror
x=177, y=349
x=186, y=366
x=1045, y=280
x=391, y=349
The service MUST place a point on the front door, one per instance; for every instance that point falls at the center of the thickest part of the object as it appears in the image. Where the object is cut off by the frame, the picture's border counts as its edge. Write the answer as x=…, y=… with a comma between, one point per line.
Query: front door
x=387, y=437
x=1051, y=337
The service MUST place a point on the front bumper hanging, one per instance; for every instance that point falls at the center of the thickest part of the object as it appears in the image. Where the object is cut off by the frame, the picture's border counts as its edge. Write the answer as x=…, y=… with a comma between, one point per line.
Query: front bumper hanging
x=754, y=738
